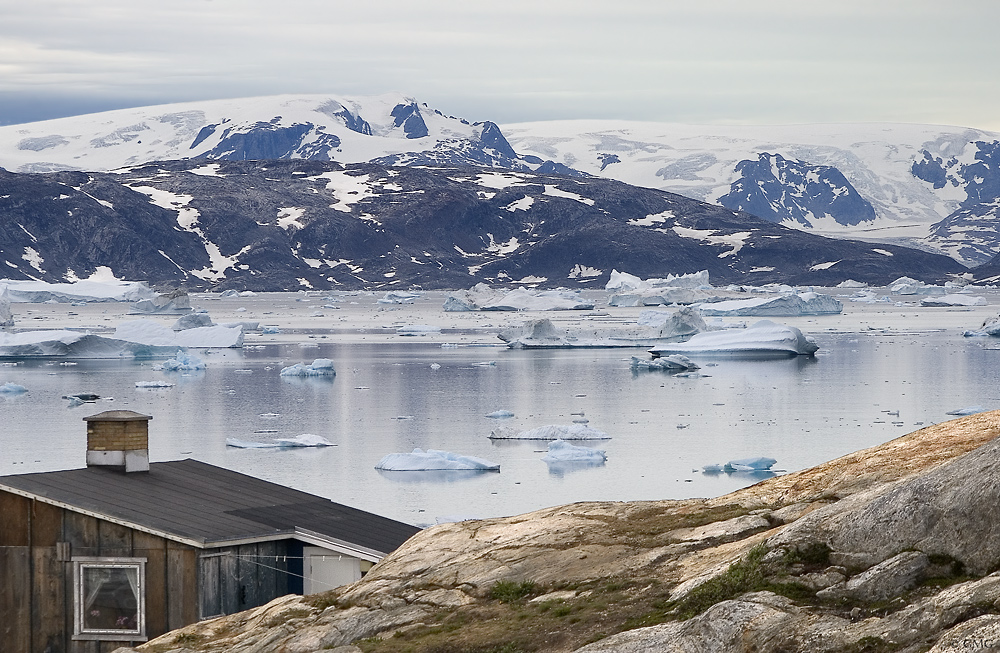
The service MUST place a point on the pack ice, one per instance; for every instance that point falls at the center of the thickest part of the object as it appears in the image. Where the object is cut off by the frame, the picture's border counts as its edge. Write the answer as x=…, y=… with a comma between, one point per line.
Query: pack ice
x=432, y=459
x=763, y=339
x=792, y=305
x=551, y=432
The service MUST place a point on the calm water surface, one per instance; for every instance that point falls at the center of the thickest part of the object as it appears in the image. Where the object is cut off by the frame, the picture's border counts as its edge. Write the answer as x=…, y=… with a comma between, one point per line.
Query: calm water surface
x=386, y=398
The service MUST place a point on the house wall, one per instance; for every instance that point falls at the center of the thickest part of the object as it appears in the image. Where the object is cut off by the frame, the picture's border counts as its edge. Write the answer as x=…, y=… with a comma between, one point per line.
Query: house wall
x=37, y=541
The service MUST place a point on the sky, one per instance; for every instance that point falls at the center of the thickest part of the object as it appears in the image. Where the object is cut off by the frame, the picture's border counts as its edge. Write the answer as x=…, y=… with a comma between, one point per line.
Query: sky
x=692, y=61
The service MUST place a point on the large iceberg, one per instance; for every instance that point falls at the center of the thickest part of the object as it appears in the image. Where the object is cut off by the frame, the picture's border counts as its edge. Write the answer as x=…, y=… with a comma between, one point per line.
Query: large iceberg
x=561, y=451
x=75, y=344
x=543, y=334
x=625, y=282
x=908, y=286
x=92, y=290
x=521, y=299
x=792, y=305
x=398, y=297
x=168, y=303
x=154, y=333
x=472, y=299
x=551, y=432
x=630, y=290
x=432, y=459
x=319, y=367
x=953, y=300
x=671, y=363
x=763, y=339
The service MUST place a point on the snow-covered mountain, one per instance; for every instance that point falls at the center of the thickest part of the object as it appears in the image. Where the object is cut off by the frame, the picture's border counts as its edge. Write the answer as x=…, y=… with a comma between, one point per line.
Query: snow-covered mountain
x=290, y=224
x=928, y=184
x=391, y=129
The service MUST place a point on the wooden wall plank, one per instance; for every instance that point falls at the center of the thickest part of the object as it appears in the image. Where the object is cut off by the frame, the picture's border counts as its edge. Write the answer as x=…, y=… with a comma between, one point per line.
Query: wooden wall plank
x=46, y=524
x=208, y=586
x=267, y=575
x=48, y=621
x=114, y=540
x=81, y=531
x=229, y=581
x=249, y=576
x=182, y=585
x=85, y=646
x=15, y=598
x=15, y=520
x=154, y=549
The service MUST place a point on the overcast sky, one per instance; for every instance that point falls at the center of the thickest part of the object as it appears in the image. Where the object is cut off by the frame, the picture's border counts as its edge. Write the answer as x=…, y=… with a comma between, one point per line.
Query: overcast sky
x=702, y=61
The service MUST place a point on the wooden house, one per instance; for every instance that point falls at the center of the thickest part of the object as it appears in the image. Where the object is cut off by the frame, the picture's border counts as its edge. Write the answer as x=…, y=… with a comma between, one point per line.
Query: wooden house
x=124, y=550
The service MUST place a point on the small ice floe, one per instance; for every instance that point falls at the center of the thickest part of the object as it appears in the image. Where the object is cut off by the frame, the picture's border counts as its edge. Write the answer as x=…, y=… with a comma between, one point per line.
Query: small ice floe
x=269, y=415
x=561, y=451
x=953, y=300
x=551, y=432
x=304, y=440
x=968, y=410
x=319, y=367
x=485, y=364
x=83, y=396
x=182, y=362
x=270, y=330
x=12, y=389
x=153, y=384
x=501, y=414
x=759, y=464
x=765, y=339
x=991, y=327
x=432, y=459
x=417, y=330
x=68, y=364
x=908, y=286
x=670, y=363
x=435, y=366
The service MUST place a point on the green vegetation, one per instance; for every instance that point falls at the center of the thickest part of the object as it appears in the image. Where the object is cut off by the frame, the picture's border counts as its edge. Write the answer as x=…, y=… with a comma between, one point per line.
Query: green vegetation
x=508, y=591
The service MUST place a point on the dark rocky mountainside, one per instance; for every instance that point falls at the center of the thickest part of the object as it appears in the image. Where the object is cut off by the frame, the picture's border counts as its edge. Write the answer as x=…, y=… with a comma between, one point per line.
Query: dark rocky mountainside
x=289, y=224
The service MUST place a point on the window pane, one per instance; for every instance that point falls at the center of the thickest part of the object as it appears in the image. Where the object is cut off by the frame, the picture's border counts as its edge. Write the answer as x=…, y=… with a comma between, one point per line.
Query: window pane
x=110, y=596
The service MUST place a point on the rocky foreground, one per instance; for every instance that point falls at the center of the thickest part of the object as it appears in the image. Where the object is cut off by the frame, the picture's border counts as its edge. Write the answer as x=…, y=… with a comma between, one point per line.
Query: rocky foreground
x=894, y=548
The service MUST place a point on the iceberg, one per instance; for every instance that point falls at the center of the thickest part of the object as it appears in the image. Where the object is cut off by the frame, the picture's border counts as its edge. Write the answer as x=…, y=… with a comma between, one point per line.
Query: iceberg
x=91, y=290
x=630, y=290
x=472, y=299
x=671, y=363
x=521, y=299
x=304, y=440
x=12, y=389
x=153, y=384
x=165, y=304
x=792, y=305
x=182, y=362
x=74, y=344
x=543, y=334
x=192, y=321
x=551, y=432
x=398, y=297
x=561, y=451
x=625, y=282
x=968, y=410
x=501, y=414
x=990, y=327
x=319, y=367
x=908, y=286
x=763, y=339
x=417, y=330
x=6, y=316
x=851, y=283
x=155, y=334
x=749, y=464
x=432, y=459
x=953, y=300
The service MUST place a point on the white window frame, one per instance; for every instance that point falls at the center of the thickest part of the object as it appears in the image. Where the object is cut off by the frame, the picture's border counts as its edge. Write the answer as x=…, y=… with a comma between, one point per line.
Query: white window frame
x=108, y=635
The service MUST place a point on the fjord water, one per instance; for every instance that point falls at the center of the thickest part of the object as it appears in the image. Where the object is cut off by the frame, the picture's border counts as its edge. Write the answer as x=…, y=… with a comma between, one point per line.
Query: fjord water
x=861, y=389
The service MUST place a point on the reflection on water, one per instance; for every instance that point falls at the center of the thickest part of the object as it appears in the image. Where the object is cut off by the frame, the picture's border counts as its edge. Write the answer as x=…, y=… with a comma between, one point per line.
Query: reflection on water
x=665, y=428
x=433, y=475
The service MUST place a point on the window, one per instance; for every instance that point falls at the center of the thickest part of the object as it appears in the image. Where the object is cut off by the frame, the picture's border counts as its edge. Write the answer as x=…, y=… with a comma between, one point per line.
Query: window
x=109, y=599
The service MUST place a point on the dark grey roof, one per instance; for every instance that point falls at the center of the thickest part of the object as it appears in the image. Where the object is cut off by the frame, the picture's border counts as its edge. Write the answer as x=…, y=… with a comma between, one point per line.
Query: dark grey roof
x=207, y=505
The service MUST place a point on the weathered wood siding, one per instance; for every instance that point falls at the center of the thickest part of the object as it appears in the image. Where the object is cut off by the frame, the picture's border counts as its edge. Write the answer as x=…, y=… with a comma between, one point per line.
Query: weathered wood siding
x=183, y=584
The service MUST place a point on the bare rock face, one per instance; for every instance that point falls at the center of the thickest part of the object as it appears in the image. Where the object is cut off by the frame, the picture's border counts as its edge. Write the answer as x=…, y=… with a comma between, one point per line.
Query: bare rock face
x=885, y=580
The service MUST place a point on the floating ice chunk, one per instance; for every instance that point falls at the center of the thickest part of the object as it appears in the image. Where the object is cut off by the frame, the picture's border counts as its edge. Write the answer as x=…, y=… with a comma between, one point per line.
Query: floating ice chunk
x=551, y=432
x=562, y=451
x=182, y=362
x=521, y=299
x=6, y=316
x=749, y=464
x=12, y=389
x=716, y=468
x=304, y=440
x=398, y=297
x=319, y=367
x=170, y=303
x=154, y=334
x=501, y=414
x=908, y=286
x=432, y=459
x=83, y=396
x=472, y=299
x=485, y=364
x=807, y=303
x=227, y=294
x=435, y=366
x=968, y=410
x=73, y=344
x=763, y=339
x=417, y=330
x=153, y=384
x=624, y=282
x=673, y=362
x=270, y=330
x=851, y=283
x=192, y=320
x=953, y=300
